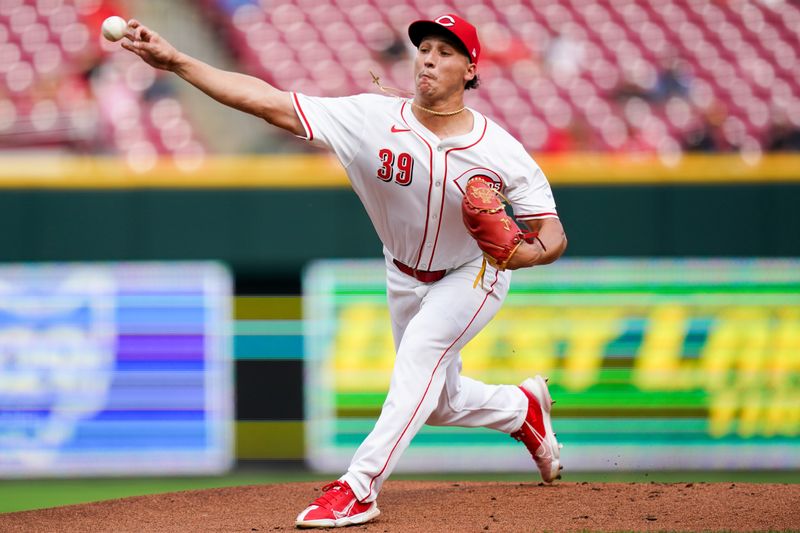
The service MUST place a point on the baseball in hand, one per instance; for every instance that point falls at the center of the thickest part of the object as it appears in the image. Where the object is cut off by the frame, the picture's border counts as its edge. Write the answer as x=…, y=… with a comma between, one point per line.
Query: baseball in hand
x=114, y=28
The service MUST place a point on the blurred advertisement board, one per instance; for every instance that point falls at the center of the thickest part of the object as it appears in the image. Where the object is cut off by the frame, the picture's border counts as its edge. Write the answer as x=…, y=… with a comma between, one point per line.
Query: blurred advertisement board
x=655, y=364
x=115, y=369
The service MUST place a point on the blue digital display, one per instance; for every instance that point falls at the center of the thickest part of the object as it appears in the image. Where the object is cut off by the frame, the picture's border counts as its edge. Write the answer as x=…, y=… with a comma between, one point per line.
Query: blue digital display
x=115, y=369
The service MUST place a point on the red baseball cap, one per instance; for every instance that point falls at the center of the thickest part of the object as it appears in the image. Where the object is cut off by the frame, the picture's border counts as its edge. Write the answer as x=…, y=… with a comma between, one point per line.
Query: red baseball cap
x=449, y=24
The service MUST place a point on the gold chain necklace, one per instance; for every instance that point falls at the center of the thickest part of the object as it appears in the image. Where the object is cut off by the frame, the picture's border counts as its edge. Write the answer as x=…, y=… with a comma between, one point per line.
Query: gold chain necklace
x=391, y=90
x=438, y=113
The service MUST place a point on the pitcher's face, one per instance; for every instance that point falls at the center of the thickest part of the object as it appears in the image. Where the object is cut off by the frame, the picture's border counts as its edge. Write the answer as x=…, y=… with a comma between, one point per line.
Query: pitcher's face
x=440, y=69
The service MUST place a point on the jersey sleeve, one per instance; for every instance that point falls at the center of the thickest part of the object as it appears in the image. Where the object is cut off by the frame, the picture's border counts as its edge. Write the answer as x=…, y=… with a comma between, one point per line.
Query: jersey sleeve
x=335, y=123
x=529, y=191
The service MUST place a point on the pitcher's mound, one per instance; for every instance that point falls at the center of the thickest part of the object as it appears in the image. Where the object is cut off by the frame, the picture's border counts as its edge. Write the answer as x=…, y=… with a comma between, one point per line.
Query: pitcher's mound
x=445, y=506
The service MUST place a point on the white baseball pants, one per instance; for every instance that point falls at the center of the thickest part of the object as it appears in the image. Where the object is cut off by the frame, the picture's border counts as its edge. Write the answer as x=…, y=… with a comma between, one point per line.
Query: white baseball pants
x=431, y=323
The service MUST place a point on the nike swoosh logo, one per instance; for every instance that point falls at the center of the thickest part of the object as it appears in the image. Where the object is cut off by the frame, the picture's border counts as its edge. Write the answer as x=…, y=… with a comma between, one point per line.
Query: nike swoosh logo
x=346, y=511
x=543, y=451
x=395, y=129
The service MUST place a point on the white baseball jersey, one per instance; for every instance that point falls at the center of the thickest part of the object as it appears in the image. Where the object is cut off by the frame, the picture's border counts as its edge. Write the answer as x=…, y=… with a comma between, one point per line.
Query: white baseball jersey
x=411, y=182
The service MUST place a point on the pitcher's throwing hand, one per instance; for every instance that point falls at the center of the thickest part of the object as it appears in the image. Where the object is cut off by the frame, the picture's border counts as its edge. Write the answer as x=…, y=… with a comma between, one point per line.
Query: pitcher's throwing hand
x=150, y=46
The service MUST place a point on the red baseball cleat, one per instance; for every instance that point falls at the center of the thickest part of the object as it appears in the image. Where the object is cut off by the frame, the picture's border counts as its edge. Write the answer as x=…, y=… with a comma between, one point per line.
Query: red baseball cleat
x=336, y=508
x=536, y=432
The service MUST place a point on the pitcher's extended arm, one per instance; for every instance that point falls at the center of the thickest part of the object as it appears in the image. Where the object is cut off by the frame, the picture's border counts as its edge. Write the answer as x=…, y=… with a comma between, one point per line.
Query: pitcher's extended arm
x=239, y=91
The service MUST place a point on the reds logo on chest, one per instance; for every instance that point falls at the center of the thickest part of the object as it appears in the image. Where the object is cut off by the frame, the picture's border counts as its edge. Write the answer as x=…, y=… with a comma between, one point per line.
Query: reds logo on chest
x=490, y=176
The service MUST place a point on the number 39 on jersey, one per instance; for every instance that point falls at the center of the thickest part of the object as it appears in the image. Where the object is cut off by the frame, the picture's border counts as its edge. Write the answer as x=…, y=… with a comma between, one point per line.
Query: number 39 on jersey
x=399, y=167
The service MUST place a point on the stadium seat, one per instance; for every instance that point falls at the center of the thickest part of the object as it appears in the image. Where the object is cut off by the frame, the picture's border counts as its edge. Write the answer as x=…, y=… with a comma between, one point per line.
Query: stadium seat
x=68, y=88
x=565, y=63
x=572, y=60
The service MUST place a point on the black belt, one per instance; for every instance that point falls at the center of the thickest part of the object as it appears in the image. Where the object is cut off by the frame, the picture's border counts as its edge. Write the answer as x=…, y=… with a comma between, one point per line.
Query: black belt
x=425, y=276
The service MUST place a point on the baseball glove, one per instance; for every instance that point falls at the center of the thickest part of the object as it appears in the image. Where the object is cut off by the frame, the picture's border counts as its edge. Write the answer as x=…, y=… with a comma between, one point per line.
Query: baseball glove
x=496, y=233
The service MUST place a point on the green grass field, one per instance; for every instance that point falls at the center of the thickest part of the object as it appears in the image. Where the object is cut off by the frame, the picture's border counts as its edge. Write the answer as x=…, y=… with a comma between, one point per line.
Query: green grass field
x=26, y=494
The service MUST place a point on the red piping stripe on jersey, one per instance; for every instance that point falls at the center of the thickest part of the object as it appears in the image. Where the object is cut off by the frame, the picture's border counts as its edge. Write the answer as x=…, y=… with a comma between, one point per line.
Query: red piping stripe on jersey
x=430, y=188
x=444, y=184
x=537, y=215
x=435, y=368
x=303, y=117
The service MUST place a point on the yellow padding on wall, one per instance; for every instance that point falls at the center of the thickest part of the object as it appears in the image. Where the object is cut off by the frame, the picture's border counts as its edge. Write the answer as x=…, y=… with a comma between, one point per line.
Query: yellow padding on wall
x=273, y=171
x=268, y=308
x=323, y=171
x=270, y=440
x=633, y=169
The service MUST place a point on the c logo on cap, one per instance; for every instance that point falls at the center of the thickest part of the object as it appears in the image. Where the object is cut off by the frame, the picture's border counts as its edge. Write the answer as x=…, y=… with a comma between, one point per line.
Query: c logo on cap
x=446, y=20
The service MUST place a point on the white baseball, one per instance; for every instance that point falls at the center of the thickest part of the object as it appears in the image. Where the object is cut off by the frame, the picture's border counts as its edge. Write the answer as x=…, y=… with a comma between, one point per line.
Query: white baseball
x=114, y=28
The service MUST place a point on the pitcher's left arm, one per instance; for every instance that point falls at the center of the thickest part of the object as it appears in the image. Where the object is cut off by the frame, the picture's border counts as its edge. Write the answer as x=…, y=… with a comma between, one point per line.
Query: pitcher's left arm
x=549, y=244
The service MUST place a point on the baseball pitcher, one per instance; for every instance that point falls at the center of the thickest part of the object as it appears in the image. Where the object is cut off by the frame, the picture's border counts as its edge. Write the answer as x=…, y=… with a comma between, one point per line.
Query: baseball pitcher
x=432, y=175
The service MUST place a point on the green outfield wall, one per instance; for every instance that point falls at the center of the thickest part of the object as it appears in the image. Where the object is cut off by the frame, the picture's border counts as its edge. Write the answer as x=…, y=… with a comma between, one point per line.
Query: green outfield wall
x=267, y=217
x=275, y=232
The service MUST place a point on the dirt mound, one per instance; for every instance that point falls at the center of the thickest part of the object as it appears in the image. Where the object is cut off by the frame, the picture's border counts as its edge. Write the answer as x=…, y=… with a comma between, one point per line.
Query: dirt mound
x=445, y=506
